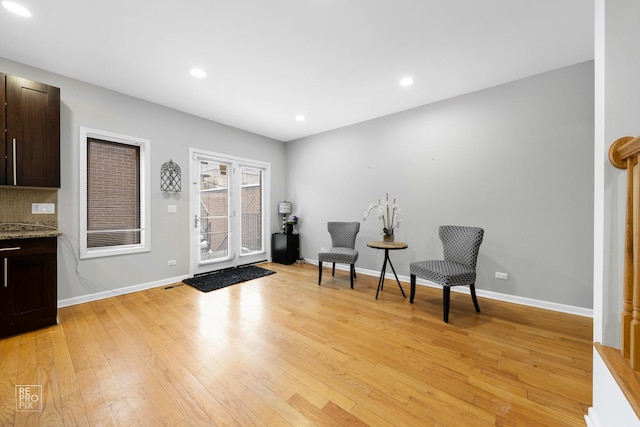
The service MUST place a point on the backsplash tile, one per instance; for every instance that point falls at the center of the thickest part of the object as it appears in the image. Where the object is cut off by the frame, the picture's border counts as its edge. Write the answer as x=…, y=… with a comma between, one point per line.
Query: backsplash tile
x=15, y=206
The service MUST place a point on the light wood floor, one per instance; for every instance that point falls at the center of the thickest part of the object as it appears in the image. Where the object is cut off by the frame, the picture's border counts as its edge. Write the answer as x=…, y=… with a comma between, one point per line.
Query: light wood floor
x=281, y=350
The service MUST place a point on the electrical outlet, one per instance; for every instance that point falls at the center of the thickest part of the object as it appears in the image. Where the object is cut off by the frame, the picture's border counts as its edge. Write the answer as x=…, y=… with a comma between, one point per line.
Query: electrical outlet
x=502, y=276
x=43, y=208
x=171, y=262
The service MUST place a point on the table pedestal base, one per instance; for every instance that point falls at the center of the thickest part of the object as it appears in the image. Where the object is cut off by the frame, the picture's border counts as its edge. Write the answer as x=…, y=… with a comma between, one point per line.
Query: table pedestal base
x=387, y=260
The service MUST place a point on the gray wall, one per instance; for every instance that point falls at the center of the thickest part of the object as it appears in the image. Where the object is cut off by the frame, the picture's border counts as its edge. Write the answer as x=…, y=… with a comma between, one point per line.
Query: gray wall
x=515, y=159
x=622, y=113
x=171, y=134
x=617, y=59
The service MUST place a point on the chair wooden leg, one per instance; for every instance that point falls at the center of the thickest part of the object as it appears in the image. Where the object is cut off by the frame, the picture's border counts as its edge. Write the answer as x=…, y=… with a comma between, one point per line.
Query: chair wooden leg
x=446, y=298
x=473, y=295
x=352, y=274
x=413, y=288
x=319, y=272
x=333, y=270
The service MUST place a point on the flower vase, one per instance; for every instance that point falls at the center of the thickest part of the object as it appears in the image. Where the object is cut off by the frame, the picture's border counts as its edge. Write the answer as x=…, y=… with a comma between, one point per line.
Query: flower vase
x=289, y=229
x=388, y=238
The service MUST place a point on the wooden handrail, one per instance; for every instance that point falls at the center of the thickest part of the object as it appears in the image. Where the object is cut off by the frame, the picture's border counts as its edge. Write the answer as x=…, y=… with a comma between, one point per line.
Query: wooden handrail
x=624, y=153
x=622, y=149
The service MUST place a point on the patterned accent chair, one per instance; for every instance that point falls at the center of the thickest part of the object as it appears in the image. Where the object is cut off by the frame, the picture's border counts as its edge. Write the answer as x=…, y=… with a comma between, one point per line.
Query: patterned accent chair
x=343, y=242
x=461, y=246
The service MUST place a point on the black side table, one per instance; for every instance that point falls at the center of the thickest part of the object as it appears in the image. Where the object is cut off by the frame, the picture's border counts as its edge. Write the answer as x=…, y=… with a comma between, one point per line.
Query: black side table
x=285, y=248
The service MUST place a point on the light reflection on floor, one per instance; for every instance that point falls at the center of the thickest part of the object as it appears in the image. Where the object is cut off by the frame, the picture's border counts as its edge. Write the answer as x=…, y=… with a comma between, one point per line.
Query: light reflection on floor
x=223, y=317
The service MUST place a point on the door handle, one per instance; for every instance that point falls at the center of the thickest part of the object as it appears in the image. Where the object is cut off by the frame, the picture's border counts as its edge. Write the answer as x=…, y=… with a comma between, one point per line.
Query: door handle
x=16, y=248
x=5, y=273
x=196, y=222
x=15, y=160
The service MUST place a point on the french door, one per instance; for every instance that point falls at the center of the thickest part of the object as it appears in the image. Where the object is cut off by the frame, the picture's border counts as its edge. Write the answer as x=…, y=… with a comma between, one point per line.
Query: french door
x=228, y=211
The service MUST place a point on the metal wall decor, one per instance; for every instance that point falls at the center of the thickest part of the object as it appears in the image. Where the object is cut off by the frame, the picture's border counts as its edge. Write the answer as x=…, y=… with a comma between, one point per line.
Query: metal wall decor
x=170, y=177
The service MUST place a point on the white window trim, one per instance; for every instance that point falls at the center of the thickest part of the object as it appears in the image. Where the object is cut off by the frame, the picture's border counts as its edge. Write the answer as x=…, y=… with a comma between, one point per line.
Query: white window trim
x=145, y=196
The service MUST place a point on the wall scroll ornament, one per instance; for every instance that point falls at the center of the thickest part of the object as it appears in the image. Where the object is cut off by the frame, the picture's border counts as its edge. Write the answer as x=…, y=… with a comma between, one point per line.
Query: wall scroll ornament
x=170, y=177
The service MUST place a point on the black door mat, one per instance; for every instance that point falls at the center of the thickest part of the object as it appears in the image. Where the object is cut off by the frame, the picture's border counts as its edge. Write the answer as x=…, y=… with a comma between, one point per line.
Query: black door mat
x=220, y=279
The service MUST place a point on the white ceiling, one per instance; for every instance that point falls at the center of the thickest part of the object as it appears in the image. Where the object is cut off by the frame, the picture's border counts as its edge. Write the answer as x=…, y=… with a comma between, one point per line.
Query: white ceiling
x=338, y=62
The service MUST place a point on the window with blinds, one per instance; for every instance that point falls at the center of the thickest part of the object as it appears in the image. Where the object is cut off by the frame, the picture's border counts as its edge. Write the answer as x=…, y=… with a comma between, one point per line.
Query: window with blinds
x=113, y=194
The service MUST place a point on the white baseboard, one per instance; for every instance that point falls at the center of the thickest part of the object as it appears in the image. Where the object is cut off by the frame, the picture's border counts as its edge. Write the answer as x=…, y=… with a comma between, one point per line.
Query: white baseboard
x=590, y=419
x=579, y=311
x=121, y=291
x=563, y=308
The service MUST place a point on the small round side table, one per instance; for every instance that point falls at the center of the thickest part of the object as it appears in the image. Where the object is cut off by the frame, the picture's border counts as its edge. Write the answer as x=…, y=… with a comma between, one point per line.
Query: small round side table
x=387, y=246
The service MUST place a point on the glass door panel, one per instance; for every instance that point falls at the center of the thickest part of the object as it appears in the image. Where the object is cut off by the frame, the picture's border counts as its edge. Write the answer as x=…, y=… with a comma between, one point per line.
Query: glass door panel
x=214, y=215
x=251, y=203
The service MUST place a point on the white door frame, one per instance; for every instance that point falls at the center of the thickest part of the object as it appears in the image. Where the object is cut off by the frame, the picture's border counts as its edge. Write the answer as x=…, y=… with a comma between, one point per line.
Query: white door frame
x=236, y=257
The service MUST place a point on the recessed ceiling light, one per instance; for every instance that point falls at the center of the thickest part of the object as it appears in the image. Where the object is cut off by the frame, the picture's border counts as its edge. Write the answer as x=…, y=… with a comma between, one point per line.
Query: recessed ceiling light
x=300, y=118
x=16, y=8
x=407, y=81
x=198, y=73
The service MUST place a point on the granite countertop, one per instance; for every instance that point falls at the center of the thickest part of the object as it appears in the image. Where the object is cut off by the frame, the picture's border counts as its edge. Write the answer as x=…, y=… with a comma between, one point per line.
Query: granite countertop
x=26, y=231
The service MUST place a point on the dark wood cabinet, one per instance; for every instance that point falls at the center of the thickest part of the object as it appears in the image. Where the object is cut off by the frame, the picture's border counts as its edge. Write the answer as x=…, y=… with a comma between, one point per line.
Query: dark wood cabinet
x=3, y=129
x=30, y=147
x=285, y=248
x=28, y=292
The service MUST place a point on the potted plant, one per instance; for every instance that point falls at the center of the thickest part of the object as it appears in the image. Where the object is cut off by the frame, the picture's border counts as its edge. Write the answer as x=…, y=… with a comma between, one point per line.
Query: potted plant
x=389, y=213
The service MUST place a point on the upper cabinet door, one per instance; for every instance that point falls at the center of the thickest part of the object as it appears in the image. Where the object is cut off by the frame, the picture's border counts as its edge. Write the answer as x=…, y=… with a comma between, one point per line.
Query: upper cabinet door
x=33, y=133
x=3, y=126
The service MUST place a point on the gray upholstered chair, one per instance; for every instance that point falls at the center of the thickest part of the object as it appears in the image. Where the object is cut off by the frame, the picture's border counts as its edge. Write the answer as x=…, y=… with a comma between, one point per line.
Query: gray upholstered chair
x=343, y=243
x=461, y=246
